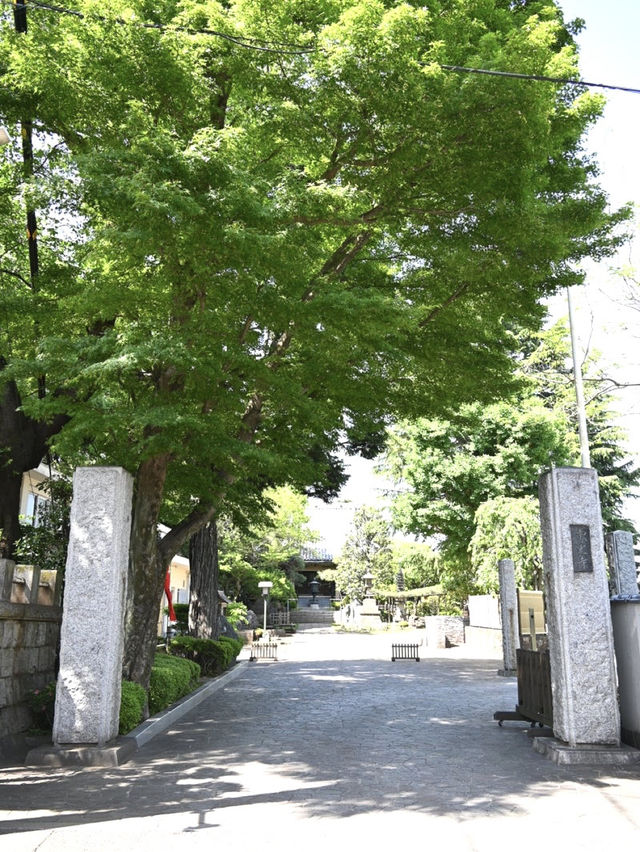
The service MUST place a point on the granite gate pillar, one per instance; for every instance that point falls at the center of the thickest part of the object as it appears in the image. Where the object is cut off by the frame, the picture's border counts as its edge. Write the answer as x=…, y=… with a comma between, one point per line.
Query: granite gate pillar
x=509, y=616
x=92, y=634
x=583, y=677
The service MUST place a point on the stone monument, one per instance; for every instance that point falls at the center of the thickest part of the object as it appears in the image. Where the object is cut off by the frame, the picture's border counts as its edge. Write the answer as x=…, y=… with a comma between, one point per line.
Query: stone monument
x=369, y=614
x=586, y=718
x=92, y=634
x=624, y=579
x=509, y=615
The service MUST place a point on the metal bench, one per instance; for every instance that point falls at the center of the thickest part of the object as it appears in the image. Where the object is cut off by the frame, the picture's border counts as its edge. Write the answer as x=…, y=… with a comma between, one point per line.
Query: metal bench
x=263, y=651
x=405, y=651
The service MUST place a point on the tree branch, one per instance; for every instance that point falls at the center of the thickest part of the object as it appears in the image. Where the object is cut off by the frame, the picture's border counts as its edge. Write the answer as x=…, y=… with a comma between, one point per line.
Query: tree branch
x=16, y=275
x=462, y=289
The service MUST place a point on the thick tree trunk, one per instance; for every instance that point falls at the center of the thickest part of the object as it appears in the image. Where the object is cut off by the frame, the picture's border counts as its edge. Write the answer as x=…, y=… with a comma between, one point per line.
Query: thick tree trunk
x=10, y=484
x=204, y=605
x=23, y=445
x=147, y=569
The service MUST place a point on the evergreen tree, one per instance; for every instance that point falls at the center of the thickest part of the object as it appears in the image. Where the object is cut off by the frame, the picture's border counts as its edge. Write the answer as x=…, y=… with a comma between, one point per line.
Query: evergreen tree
x=367, y=550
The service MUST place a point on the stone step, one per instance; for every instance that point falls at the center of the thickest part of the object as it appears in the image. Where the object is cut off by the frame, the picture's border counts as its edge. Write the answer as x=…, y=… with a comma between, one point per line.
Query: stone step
x=323, y=601
x=312, y=616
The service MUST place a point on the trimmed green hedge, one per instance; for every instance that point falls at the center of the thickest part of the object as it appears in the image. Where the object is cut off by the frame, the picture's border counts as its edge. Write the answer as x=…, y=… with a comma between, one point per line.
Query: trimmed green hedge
x=171, y=678
x=213, y=655
x=132, y=703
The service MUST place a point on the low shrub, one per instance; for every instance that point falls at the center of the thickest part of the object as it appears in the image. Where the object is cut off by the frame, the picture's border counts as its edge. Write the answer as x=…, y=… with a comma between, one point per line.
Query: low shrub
x=42, y=702
x=234, y=646
x=212, y=655
x=132, y=703
x=171, y=678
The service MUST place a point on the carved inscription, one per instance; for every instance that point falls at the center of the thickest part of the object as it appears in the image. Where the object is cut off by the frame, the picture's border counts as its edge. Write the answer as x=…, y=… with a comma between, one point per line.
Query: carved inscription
x=581, y=549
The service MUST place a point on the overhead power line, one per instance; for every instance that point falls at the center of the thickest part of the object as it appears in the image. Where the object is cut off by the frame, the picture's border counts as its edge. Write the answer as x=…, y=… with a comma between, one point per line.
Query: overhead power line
x=264, y=45
x=295, y=49
x=540, y=78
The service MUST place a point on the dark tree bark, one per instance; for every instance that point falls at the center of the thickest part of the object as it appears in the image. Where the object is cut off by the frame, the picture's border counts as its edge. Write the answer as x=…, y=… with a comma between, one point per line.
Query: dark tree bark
x=23, y=445
x=147, y=569
x=204, y=604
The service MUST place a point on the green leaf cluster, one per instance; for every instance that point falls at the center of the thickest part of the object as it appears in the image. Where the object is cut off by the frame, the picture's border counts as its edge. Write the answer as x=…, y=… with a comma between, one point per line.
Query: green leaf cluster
x=367, y=550
x=250, y=255
x=268, y=549
x=471, y=480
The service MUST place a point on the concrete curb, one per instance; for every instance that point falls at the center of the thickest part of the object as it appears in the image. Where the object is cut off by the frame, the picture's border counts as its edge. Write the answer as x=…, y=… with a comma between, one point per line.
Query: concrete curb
x=120, y=750
x=155, y=725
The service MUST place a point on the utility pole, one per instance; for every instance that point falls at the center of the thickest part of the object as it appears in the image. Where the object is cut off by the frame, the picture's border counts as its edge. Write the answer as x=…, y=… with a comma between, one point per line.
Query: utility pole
x=577, y=380
x=26, y=131
x=20, y=21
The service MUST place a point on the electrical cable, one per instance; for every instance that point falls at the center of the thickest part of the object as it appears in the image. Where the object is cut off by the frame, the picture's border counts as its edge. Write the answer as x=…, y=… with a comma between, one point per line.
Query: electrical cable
x=262, y=45
x=540, y=78
x=293, y=49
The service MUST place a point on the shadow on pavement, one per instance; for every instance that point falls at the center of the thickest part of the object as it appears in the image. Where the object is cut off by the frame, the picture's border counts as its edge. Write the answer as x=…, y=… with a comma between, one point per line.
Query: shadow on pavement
x=329, y=737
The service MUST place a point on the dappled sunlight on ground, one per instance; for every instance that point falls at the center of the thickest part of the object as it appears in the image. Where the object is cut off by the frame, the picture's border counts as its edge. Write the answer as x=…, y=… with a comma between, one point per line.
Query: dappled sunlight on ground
x=333, y=747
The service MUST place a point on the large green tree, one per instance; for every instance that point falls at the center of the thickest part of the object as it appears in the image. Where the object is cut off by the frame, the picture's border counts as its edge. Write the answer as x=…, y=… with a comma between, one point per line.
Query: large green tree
x=293, y=222
x=367, y=550
x=507, y=528
x=469, y=480
x=268, y=548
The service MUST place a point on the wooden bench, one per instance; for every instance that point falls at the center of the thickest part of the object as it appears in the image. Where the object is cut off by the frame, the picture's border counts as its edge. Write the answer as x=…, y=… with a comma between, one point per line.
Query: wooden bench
x=263, y=651
x=405, y=651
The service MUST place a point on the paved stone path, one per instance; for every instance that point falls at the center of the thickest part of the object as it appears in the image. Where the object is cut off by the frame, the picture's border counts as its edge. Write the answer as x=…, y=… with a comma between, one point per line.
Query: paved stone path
x=333, y=747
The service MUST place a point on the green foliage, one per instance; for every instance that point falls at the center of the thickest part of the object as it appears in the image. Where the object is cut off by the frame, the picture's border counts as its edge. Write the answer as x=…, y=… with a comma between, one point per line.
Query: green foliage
x=494, y=454
x=168, y=685
x=282, y=589
x=42, y=702
x=234, y=647
x=45, y=545
x=266, y=549
x=171, y=678
x=181, y=611
x=213, y=656
x=249, y=253
x=286, y=528
x=132, y=701
x=507, y=528
x=455, y=465
x=418, y=562
x=367, y=549
x=236, y=613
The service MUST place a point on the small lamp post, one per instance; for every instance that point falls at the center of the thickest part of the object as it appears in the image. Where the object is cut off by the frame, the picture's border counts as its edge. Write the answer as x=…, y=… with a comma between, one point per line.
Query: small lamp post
x=368, y=583
x=264, y=586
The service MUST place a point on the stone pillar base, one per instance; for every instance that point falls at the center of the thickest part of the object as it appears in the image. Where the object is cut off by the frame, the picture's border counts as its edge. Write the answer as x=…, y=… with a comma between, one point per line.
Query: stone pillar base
x=585, y=755
x=114, y=753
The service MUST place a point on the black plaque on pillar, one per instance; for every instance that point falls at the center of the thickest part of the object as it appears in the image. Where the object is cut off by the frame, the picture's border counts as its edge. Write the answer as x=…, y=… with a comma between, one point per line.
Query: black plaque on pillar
x=581, y=549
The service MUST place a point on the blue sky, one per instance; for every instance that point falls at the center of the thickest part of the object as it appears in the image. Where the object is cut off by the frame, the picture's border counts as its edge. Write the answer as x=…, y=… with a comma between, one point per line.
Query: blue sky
x=609, y=53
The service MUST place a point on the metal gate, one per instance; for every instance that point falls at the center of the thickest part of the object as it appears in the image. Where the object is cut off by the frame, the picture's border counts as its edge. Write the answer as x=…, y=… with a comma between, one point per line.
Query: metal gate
x=534, y=686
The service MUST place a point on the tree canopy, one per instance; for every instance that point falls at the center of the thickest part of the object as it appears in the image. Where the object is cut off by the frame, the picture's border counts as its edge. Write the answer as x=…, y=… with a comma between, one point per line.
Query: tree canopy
x=472, y=480
x=367, y=550
x=268, y=549
x=272, y=226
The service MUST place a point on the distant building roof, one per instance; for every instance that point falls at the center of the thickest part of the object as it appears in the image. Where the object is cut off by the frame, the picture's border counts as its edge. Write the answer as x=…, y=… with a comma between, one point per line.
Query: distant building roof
x=316, y=554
